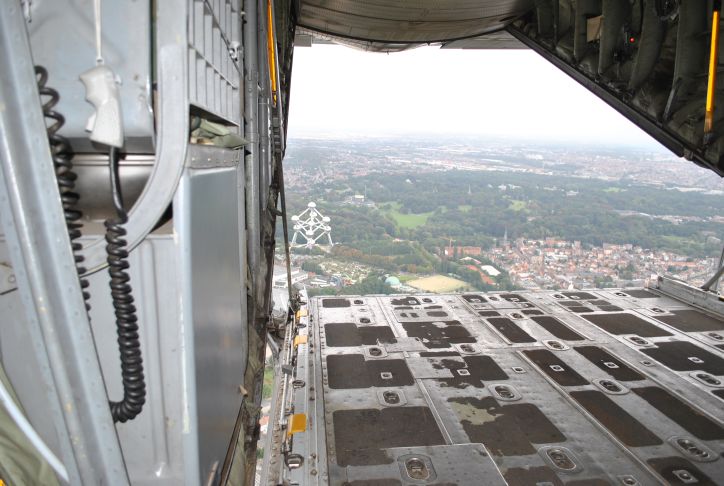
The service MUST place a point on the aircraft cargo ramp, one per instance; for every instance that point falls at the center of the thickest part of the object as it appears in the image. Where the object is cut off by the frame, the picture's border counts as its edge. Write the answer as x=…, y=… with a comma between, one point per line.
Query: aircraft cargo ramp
x=620, y=387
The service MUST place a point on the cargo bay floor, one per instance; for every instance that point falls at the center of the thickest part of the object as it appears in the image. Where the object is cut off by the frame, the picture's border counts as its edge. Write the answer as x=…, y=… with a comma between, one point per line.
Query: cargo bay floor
x=621, y=387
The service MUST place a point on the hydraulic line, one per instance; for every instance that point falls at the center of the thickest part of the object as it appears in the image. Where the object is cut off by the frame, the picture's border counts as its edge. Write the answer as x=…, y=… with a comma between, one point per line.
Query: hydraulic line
x=129, y=346
x=713, y=61
x=62, y=155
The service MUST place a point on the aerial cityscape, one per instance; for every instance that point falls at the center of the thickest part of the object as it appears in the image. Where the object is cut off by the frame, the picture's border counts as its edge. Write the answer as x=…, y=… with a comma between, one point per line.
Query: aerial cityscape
x=419, y=213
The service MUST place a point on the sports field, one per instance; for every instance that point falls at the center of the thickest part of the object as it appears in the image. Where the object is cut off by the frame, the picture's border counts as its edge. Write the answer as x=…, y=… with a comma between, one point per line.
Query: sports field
x=438, y=284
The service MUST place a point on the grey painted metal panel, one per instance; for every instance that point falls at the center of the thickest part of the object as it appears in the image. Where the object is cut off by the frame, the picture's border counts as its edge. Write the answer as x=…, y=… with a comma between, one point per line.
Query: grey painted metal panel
x=152, y=442
x=214, y=77
x=37, y=238
x=213, y=292
x=62, y=37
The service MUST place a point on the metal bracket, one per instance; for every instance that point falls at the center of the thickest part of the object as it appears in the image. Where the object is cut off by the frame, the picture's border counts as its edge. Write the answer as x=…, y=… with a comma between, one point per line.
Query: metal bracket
x=7, y=279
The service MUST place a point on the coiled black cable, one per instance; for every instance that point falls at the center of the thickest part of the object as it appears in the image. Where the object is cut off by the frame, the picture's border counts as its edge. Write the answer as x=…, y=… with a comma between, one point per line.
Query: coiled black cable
x=134, y=386
x=62, y=155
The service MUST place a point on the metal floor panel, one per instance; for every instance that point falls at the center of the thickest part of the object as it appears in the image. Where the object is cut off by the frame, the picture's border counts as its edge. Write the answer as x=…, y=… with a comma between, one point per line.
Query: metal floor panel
x=519, y=388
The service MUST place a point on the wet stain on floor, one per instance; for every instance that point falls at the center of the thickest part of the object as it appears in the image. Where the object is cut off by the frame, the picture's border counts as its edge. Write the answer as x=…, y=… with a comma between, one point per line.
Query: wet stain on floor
x=405, y=301
x=349, y=334
x=506, y=430
x=438, y=334
x=480, y=369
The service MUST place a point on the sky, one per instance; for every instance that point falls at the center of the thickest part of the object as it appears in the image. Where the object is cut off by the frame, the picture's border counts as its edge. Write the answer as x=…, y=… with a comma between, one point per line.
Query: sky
x=514, y=94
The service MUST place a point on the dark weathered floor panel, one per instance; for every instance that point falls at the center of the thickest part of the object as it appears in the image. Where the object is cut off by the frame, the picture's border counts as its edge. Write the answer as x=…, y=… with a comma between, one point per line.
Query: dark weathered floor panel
x=510, y=330
x=362, y=435
x=353, y=371
x=609, y=363
x=552, y=366
x=615, y=419
x=684, y=415
x=685, y=356
x=599, y=387
x=557, y=328
x=627, y=324
x=692, y=321
x=349, y=334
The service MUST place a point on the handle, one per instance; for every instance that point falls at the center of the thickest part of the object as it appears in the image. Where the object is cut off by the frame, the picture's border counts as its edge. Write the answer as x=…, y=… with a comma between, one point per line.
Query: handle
x=105, y=124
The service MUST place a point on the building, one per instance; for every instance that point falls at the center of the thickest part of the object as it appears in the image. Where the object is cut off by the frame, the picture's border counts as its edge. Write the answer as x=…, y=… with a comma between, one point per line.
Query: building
x=460, y=251
x=490, y=270
x=280, y=276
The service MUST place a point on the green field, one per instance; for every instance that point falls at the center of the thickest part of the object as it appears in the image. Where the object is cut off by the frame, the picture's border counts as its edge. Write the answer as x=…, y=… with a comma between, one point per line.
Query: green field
x=465, y=208
x=517, y=205
x=410, y=220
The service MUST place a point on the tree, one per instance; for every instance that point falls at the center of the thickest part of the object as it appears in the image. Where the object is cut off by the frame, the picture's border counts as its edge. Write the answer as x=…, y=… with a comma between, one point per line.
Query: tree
x=372, y=284
x=313, y=266
x=314, y=291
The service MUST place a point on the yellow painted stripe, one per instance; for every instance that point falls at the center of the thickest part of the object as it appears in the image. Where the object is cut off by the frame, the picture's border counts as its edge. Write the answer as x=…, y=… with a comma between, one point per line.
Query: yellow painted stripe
x=271, y=51
x=713, y=61
x=298, y=423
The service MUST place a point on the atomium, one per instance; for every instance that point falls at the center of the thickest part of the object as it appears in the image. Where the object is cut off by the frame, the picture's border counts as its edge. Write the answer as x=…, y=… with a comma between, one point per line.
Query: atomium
x=310, y=228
